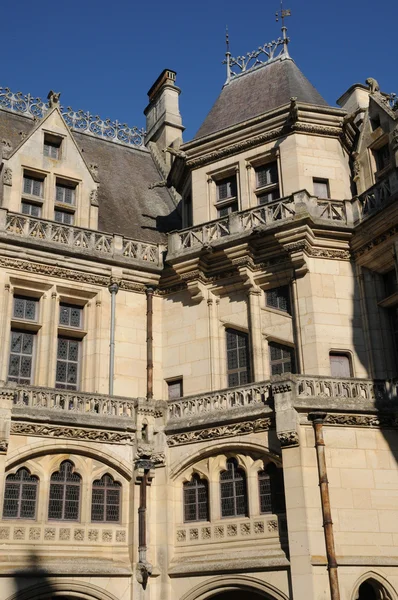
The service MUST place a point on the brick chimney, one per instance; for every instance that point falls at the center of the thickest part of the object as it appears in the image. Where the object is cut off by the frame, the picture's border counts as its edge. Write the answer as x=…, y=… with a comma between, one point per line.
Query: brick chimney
x=163, y=119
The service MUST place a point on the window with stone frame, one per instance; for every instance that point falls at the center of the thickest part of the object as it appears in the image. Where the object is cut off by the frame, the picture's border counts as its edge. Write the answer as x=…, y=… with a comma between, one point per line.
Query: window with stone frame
x=174, y=388
x=106, y=500
x=31, y=209
x=65, y=489
x=233, y=491
x=271, y=490
x=382, y=157
x=321, y=188
x=65, y=193
x=281, y=359
x=52, y=146
x=68, y=363
x=267, y=182
x=196, y=499
x=227, y=195
x=64, y=217
x=70, y=315
x=33, y=185
x=279, y=298
x=20, y=495
x=22, y=339
x=238, y=357
x=340, y=364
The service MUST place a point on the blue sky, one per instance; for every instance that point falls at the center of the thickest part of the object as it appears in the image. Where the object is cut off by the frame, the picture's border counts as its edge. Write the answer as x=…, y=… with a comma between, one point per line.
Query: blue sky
x=104, y=56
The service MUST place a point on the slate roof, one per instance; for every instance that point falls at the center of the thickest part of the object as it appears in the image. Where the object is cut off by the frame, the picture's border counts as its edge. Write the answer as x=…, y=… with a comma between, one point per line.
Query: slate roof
x=126, y=204
x=257, y=92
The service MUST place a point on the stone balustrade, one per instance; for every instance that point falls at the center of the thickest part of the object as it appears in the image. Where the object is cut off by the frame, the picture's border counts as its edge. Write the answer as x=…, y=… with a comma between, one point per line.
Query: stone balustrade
x=219, y=401
x=356, y=389
x=68, y=401
x=258, y=218
x=87, y=241
x=374, y=199
x=269, y=527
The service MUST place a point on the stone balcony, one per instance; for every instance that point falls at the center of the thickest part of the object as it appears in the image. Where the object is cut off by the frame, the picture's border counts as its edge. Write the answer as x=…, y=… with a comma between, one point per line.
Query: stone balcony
x=60, y=413
x=89, y=243
x=375, y=198
x=241, y=224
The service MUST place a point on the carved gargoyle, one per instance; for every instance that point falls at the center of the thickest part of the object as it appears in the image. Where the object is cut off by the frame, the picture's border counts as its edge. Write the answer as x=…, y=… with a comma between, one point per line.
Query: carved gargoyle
x=373, y=85
x=143, y=572
x=53, y=98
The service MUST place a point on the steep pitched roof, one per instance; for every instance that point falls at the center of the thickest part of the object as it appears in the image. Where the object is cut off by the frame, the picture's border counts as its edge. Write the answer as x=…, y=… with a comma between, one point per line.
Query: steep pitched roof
x=126, y=204
x=258, y=91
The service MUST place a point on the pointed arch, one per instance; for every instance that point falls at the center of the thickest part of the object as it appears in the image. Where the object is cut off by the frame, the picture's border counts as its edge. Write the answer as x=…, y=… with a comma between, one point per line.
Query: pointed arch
x=52, y=588
x=241, y=583
x=373, y=583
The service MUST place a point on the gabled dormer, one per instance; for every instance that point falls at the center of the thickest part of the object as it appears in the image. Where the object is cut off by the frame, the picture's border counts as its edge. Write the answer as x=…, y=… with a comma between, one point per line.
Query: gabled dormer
x=47, y=176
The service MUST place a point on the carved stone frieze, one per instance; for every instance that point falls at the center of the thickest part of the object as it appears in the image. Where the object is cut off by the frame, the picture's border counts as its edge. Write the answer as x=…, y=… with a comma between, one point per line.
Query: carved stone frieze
x=376, y=241
x=257, y=140
x=288, y=439
x=94, y=197
x=380, y=420
x=74, y=433
x=7, y=176
x=318, y=129
x=213, y=433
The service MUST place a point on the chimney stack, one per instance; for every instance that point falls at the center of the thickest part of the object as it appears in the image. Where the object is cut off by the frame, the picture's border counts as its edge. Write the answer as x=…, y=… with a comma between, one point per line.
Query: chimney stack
x=163, y=119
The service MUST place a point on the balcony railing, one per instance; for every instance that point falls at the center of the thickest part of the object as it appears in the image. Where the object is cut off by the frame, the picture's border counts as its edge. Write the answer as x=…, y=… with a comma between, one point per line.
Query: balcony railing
x=257, y=218
x=78, y=239
x=355, y=389
x=67, y=401
x=219, y=401
x=373, y=199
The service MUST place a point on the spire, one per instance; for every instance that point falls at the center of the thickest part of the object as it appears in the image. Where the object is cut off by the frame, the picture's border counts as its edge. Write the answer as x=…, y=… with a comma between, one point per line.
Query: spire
x=282, y=14
x=277, y=49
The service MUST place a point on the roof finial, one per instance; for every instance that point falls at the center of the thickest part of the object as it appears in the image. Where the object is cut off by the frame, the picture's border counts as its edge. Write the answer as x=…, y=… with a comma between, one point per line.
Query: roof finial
x=282, y=14
x=227, y=55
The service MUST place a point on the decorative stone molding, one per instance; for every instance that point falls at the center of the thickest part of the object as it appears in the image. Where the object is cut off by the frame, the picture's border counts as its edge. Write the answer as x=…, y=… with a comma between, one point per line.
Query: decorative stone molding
x=94, y=435
x=376, y=241
x=19, y=533
x=3, y=446
x=94, y=198
x=288, y=439
x=7, y=176
x=350, y=420
x=4, y=533
x=34, y=533
x=143, y=572
x=221, y=431
x=146, y=451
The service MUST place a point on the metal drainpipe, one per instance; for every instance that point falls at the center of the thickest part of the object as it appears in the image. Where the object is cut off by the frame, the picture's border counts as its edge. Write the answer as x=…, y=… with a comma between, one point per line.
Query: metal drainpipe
x=149, y=342
x=297, y=328
x=317, y=419
x=113, y=288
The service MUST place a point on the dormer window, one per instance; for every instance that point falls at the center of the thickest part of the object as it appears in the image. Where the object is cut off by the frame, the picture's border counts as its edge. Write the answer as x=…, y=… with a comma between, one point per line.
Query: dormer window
x=267, y=182
x=33, y=186
x=52, y=146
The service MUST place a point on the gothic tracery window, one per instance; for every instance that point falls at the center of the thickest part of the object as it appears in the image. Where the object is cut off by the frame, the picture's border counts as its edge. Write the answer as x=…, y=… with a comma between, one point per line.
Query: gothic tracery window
x=196, y=499
x=271, y=490
x=105, y=501
x=20, y=495
x=65, y=488
x=233, y=490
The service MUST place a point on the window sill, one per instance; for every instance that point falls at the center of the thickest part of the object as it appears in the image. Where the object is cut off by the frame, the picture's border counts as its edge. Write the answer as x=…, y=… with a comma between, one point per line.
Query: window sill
x=277, y=311
x=71, y=332
x=33, y=199
x=25, y=325
x=64, y=206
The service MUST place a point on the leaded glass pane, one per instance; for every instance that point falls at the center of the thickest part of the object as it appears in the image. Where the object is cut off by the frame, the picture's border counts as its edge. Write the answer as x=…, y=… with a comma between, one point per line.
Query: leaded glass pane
x=61, y=216
x=264, y=486
x=64, y=494
x=32, y=186
x=21, y=357
x=67, y=370
x=196, y=500
x=105, y=504
x=238, y=366
x=281, y=359
x=20, y=495
x=233, y=491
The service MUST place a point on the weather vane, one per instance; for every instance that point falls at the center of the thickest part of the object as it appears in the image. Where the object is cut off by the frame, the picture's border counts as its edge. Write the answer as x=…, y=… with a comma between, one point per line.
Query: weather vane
x=282, y=14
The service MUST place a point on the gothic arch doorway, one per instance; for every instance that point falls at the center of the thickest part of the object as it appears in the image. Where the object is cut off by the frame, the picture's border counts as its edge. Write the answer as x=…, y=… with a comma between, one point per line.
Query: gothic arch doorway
x=238, y=587
x=372, y=586
x=238, y=595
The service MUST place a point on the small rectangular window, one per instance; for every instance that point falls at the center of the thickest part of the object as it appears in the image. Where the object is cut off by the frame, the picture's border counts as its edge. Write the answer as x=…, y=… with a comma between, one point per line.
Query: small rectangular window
x=52, y=148
x=226, y=188
x=68, y=358
x=340, y=365
x=227, y=210
x=321, y=188
x=382, y=157
x=20, y=366
x=267, y=183
x=28, y=208
x=281, y=359
x=70, y=316
x=64, y=217
x=279, y=298
x=174, y=389
x=25, y=308
x=33, y=186
x=65, y=194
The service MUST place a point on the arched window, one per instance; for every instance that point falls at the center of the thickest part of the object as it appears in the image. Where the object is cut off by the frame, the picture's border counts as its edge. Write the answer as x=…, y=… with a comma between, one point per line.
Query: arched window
x=65, y=487
x=196, y=499
x=20, y=495
x=105, y=501
x=233, y=491
x=271, y=490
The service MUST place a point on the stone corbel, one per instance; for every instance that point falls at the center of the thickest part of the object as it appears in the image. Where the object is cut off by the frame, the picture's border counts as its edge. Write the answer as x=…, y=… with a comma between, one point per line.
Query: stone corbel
x=7, y=176
x=288, y=439
x=297, y=255
x=141, y=466
x=286, y=417
x=197, y=290
x=143, y=572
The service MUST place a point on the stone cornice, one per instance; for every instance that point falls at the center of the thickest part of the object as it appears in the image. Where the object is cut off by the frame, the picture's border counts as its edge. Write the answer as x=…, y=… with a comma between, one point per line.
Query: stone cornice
x=71, y=433
x=222, y=431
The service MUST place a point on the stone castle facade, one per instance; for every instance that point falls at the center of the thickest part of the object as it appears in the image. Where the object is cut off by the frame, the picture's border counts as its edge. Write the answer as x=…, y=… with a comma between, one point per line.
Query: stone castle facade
x=199, y=345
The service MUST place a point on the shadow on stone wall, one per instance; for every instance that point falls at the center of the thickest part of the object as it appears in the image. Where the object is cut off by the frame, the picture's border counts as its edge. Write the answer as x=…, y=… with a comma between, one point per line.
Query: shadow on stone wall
x=33, y=582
